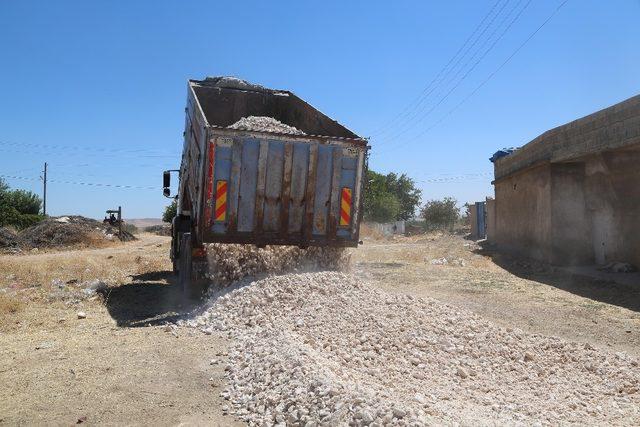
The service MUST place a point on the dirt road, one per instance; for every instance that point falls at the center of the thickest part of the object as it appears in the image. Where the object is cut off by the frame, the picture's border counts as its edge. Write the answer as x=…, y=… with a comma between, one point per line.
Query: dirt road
x=512, y=293
x=121, y=365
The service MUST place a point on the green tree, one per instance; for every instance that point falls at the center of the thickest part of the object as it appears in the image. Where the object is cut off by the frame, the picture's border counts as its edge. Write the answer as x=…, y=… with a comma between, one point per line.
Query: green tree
x=384, y=208
x=18, y=208
x=4, y=187
x=170, y=212
x=441, y=214
x=25, y=202
x=389, y=197
x=408, y=195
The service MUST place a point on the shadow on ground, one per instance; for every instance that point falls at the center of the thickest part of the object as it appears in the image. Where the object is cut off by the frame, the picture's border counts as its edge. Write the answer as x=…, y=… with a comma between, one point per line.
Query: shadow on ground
x=599, y=289
x=150, y=299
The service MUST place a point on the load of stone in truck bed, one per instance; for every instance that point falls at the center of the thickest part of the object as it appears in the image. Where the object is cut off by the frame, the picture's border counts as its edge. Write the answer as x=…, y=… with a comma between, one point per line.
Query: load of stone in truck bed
x=228, y=102
x=264, y=124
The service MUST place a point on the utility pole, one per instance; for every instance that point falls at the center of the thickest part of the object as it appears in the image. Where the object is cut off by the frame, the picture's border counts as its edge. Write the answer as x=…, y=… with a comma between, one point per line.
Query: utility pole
x=44, y=196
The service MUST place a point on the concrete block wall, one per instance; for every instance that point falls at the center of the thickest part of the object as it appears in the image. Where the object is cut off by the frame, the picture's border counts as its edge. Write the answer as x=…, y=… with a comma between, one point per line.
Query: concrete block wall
x=523, y=213
x=613, y=128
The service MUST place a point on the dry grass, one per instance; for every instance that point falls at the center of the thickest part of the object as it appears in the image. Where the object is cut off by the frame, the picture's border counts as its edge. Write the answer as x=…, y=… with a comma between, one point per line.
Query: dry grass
x=9, y=305
x=114, y=264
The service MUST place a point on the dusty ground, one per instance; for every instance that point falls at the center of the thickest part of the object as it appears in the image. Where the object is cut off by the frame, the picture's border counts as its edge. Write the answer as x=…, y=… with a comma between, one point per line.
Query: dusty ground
x=117, y=366
x=120, y=365
x=512, y=293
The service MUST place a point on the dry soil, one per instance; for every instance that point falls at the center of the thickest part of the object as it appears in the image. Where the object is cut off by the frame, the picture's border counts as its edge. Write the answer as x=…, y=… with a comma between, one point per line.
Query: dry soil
x=122, y=364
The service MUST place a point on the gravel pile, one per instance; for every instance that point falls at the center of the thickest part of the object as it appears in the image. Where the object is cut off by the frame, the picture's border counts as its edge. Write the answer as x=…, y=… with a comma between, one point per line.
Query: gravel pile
x=329, y=349
x=264, y=124
x=68, y=230
x=8, y=238
x=229, y=263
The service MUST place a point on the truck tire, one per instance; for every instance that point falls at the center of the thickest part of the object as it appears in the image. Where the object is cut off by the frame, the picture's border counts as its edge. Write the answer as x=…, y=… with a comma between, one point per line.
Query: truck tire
x=185, y=266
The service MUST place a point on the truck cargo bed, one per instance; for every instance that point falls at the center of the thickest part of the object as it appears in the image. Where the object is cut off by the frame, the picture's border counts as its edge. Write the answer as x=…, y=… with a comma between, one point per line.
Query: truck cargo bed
x=247, y=186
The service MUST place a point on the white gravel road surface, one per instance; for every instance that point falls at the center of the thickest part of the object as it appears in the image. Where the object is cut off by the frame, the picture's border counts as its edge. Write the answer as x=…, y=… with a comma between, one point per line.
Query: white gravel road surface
x=328, y=349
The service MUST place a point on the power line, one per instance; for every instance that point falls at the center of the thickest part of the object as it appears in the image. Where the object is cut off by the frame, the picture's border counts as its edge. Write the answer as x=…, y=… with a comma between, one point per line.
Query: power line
x=82, y=148
x=75, y=154
x=486, y=52
x=426, y=92
x=485, y=81
x=459, y=178
x=90, y=184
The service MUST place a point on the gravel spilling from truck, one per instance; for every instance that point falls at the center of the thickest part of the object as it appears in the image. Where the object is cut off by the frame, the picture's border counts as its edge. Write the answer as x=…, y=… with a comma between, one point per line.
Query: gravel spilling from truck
x=230, y=262
x=264, y=124
x=327, y=348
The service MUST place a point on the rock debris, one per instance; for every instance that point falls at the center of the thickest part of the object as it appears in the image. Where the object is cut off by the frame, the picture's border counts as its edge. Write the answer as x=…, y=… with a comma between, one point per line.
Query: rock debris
x=230, y=262
x=326, y=348
x=264, y=124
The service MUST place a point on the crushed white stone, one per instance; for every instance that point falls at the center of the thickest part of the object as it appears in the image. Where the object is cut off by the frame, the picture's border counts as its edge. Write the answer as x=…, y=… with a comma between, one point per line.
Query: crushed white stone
x=229, y=262
x=264, y=124
x=327, y=349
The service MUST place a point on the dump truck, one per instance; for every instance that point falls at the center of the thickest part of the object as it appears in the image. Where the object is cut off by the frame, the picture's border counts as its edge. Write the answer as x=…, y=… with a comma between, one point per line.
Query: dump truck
x=263, y=167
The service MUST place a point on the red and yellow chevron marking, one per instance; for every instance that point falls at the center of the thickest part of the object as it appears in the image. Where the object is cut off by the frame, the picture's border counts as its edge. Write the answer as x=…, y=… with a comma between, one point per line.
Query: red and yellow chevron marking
x=221, y=201
x=345, y=207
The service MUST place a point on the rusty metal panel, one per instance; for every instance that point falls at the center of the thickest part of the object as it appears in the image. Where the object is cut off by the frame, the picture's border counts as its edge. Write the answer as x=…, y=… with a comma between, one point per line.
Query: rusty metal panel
x=334, y=205
x=286, y=189
x=299, y=173
x=324, y=176
x=273, y=186
x=234, y=185
x=221, y=172
x=357, y=200
x=248, y=180
x=260, y=187
x=280, y=191
x=311, y=191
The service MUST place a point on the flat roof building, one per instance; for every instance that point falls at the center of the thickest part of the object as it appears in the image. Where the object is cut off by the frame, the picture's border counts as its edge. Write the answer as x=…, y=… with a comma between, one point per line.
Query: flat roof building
x=572, y=195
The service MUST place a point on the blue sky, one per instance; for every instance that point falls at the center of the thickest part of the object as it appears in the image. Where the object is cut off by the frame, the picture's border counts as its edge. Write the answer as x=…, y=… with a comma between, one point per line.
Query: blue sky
x=97, y=89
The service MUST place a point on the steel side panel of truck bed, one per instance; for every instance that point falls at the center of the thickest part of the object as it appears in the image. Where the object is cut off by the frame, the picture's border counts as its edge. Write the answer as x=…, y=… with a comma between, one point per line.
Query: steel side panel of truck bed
x=279, y=189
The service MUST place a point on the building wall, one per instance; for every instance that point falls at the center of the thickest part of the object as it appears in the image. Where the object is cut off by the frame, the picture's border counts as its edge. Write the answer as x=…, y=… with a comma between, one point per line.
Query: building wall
x=613, y=201
x=473, y=219
x=570, y=220
x=523, y=213
x=491, y=220
x=613, y=128
x=574, y=213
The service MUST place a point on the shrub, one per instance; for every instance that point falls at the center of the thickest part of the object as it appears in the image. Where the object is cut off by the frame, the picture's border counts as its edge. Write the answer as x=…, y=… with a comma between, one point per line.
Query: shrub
x=9, y=216
x=384, y=208
x=18, y=208
x=24, y=201
x=441, y=214
x=170, y=212
x=130, y=228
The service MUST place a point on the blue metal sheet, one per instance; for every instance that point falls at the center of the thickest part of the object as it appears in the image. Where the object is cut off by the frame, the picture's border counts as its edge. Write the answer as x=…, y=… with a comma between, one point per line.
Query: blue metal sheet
x=248, y=181
x=298, y=186
x=255, y=210
x=481, y=220
x=323, y=189
x=273, y=186
x=221, y=170
x=348, y=179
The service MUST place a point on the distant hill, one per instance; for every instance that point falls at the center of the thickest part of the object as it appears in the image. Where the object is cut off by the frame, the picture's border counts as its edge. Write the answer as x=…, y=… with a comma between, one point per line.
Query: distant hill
x=144, y=222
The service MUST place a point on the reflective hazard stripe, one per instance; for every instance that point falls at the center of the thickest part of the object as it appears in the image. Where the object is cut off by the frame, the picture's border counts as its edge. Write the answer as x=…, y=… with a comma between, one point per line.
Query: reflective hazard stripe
x=221, y=201
x=345, y=207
